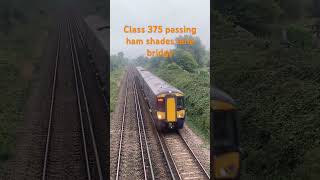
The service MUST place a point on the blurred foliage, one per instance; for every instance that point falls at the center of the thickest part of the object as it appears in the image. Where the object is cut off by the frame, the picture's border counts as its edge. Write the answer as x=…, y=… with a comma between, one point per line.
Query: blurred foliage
x=24, y=27
x=259, y=16
x=299, y=35
x=310, y=168
x=278, y=95
x=254, y=15
x=23, y=33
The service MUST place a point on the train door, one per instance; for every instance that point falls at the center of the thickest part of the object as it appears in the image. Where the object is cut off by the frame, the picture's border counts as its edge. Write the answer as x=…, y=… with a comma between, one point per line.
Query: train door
x=171, y=109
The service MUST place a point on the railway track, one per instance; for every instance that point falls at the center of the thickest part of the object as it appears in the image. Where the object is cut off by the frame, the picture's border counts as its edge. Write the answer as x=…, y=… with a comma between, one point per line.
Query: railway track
x=83, y=41
x=147, y=162
x=122, y=129
x=185, y=162
x=133, y=135
x=86, y=157
x=53, y=93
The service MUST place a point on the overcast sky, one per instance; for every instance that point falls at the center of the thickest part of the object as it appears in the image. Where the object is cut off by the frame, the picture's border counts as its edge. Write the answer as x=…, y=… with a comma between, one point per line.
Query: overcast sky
x=141, y=13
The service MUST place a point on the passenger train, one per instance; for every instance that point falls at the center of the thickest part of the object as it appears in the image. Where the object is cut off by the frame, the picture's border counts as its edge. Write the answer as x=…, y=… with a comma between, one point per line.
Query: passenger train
x=165, y=101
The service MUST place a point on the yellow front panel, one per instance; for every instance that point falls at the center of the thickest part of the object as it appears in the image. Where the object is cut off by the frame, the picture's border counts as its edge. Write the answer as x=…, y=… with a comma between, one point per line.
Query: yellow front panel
x=171, y=109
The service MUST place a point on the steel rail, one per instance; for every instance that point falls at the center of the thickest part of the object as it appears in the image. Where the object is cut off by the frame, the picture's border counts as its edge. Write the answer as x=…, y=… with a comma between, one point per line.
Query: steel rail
x=84, y=43
x=170, y=154
x=195, y=157
x=140, y=138
x=79, y=107
x=53, y=92
x=140, y=118
x=122, y=128
x=97, y=160
x=163, y=148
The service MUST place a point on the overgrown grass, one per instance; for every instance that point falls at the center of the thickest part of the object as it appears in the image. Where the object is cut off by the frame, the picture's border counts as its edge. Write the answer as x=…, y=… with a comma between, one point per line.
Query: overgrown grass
x=115, y=80
x=20, y=53
x=278, y=95
x=10, y=95
x=195, y=86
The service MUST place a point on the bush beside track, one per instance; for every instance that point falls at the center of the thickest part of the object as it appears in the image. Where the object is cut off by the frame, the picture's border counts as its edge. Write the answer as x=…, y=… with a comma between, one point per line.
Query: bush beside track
x=115, y=79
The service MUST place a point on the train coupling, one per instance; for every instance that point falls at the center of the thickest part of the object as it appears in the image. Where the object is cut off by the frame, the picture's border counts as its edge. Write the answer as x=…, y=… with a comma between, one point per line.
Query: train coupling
x=171, y=126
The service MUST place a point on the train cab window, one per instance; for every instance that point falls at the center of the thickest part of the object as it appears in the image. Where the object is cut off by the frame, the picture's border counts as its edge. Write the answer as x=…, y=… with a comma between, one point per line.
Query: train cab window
x=224, y=129
x=180, y=102
x=160, y=103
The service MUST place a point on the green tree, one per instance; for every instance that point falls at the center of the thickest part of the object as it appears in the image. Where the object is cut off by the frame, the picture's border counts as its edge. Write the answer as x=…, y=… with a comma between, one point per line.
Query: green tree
x=206, y=59
x=117, y=61
x=197, y=50
x=141, y=61
x=185, y=60
x=155, y=62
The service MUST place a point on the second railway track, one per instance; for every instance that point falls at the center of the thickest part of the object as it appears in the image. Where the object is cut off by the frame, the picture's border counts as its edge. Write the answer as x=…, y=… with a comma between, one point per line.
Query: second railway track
x=185, y=162
x=133, y=161
x=70, y=148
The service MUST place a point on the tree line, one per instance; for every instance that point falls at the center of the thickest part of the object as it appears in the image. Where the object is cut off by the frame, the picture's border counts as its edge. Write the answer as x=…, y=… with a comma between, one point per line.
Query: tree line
x=186, y=56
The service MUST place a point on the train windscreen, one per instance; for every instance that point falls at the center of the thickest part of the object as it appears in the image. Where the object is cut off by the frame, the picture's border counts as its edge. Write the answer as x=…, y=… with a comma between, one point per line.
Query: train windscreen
x=180, y=103
x=224, y=129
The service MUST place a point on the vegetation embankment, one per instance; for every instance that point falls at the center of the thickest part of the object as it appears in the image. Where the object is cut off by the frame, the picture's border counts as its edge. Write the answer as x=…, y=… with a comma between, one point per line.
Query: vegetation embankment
x=118, y=65
x=275, y=80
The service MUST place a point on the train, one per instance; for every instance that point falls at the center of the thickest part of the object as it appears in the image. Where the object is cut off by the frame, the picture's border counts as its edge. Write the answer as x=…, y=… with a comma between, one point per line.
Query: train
x=224, y=136
x=166, y=102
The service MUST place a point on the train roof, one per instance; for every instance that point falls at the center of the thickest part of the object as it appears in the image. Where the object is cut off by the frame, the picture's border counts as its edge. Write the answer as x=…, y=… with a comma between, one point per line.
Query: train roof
x=217, y=94
x=157, y=85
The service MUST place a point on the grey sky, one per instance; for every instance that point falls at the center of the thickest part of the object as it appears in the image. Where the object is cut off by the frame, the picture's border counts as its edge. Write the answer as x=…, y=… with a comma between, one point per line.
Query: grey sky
x=141, y=13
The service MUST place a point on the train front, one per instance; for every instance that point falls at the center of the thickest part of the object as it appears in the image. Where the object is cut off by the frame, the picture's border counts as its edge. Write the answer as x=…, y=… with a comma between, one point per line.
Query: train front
x=171, y=112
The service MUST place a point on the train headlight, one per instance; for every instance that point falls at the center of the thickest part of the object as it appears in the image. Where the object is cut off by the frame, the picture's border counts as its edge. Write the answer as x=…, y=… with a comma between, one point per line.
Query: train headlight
x=161, y=115
x=181, y=113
